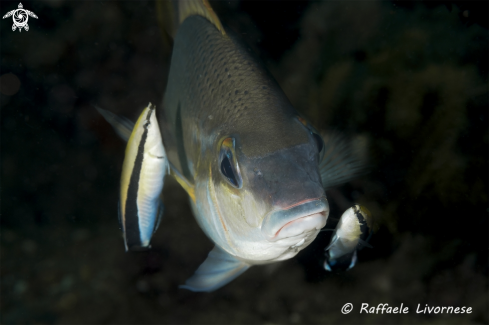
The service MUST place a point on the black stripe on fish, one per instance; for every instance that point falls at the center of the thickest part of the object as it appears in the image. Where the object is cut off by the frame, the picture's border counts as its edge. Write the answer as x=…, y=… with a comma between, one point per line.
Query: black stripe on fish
x=132, y=231
x=182, y=156
x=364, y=228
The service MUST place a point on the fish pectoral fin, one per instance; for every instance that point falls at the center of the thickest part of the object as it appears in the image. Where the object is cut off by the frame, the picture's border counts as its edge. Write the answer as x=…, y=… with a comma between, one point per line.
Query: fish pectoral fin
x=218, y=269
x=353, y=261
x=333, y=241
x=189, y=188
x=327, y=267
x=342, y=161
x=159, y=214
x=122, y=126
x=364, y=243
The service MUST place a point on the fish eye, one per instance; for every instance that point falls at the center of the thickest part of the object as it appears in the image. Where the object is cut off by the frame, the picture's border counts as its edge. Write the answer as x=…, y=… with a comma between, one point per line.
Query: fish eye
x=227, y=170
x=229, y=167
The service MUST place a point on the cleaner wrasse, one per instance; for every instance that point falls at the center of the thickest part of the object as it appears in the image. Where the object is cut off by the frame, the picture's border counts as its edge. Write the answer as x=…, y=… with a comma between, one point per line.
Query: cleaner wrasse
x=352, y=232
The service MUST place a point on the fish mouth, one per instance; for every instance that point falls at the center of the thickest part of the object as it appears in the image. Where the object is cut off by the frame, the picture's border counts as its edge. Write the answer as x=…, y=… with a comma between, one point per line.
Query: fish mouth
x=305, y=217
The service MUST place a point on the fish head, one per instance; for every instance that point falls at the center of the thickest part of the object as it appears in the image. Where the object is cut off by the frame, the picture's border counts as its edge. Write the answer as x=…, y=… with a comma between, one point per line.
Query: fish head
x=267, y=207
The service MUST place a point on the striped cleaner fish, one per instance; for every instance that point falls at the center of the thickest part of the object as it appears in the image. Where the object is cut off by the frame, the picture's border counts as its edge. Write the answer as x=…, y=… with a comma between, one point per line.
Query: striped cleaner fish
x=255, y=171
x=352, y=232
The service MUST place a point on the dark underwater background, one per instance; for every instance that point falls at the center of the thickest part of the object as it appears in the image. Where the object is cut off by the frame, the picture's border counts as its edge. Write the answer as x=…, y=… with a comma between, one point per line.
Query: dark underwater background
x=408, y=81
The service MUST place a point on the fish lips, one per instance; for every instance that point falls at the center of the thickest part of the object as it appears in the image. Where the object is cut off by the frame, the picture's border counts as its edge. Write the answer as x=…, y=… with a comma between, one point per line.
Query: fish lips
x=300, y=218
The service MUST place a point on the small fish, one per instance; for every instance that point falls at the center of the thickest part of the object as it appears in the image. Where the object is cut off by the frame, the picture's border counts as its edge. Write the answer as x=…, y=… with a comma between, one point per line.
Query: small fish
x=352, y=232
x=145, y=165
x=255, y=171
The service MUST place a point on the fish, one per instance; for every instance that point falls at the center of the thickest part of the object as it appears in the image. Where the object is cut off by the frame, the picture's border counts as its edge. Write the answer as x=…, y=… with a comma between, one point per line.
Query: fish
x=352, y=232
x=145, y=165
x=254, y=169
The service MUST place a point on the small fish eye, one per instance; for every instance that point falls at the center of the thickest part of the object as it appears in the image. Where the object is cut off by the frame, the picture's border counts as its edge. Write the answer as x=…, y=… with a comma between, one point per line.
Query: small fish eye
x=229, y=167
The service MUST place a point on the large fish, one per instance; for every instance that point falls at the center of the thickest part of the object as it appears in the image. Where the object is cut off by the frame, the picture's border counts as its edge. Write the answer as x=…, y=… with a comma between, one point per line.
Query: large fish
x=255, y=171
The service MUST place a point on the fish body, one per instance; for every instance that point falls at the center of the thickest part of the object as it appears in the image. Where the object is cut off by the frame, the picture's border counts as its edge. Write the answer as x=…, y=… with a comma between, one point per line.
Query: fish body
x=145, y=165
x=255, y=171
x=352, y=232
x=218, y=91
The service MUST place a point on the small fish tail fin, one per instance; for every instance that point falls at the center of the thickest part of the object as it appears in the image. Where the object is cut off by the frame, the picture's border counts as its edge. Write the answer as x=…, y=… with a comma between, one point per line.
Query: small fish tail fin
x=172, y=13
x=342, y=160
x=340, y=264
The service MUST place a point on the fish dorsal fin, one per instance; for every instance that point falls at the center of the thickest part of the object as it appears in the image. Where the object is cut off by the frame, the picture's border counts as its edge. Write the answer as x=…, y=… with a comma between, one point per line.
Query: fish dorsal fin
x=218, y=269
x=172, y=13
x=166, y=20
x=187, y=8
x=122, y=126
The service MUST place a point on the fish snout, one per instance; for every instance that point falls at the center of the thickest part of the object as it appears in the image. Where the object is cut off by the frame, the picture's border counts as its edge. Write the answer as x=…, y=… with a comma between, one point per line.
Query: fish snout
x=305, y=217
